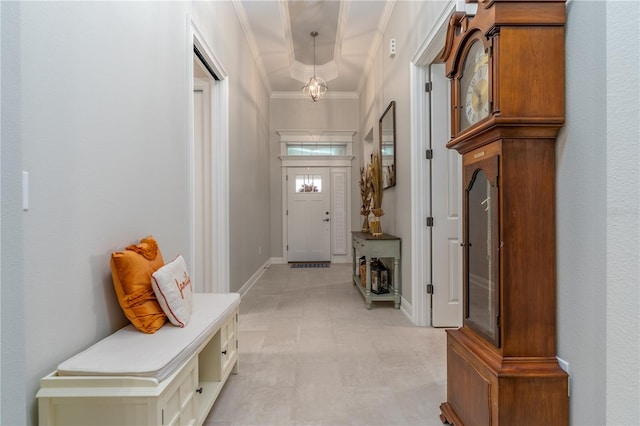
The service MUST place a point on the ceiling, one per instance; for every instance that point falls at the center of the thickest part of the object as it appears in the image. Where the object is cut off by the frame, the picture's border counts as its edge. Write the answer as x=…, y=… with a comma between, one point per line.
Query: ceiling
x=349, y=33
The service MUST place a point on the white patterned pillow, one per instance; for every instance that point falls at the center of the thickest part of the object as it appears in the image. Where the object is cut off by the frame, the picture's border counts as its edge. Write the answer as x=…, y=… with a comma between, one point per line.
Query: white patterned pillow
x=172, y=286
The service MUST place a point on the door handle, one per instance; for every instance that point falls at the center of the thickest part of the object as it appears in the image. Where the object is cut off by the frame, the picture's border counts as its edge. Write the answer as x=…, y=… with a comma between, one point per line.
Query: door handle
x=326, y=220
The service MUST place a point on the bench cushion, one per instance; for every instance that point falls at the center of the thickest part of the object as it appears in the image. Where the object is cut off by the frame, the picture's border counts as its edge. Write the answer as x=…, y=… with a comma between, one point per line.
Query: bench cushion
x=128, y=352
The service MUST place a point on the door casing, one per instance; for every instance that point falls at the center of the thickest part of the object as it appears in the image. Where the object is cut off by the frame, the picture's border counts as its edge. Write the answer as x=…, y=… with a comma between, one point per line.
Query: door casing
x=219, y=163
x=420, y=308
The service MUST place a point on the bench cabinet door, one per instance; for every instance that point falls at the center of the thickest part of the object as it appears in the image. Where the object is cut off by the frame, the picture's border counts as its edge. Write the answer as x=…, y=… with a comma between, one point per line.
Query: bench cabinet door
x=178, y=404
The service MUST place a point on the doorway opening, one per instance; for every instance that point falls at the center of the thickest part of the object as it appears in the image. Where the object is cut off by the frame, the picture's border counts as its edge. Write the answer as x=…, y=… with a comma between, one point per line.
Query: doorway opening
x=202, y=168
x=436, y=254
x=316, y=201
x=208, y=158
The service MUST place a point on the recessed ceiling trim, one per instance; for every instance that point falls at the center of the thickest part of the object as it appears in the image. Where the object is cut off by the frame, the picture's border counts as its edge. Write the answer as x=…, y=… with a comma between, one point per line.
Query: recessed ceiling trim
x=277, y=29
x=248, y=34
x=303, y=73
x=286, y=29
x=299, y=95
x=343, y=14
x=377, y=40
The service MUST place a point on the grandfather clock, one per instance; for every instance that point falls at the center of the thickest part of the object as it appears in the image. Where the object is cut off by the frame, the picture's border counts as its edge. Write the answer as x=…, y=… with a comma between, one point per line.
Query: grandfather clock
x=506, y=66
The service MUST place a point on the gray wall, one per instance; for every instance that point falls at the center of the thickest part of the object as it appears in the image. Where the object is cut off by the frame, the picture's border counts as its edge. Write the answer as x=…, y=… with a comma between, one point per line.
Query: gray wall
x=99, y=121
x=12, y=325
x=388, y=81
x=95, y=107
x=581, y=214
x=597, y=213
x=623, y=212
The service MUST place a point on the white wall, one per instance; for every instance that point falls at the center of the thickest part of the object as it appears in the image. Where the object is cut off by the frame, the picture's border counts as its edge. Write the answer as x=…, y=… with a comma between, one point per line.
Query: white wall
x=249, y=191
x=388, y=81
x=302, y=114
x=623, y=215
x=581, y=214
x=12, y=367
x=101, y=101
x=597, y=213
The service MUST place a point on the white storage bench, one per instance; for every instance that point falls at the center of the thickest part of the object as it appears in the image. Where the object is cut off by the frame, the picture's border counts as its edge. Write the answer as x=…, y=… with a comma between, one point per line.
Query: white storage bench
x=171, y=377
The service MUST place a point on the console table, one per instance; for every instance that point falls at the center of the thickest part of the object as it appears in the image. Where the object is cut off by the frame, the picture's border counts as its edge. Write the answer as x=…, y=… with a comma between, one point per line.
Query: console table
x=384, y=246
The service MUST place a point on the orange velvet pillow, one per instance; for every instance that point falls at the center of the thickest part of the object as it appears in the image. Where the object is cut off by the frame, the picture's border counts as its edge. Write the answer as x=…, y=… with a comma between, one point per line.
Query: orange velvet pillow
x=131, y=270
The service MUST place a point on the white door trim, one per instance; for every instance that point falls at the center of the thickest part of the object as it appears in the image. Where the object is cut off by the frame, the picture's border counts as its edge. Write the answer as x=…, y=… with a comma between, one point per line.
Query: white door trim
x=219, y=162
x=420, y=168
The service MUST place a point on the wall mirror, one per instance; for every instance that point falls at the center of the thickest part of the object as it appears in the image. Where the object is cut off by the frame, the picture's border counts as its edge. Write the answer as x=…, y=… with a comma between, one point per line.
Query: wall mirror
x=388, y=145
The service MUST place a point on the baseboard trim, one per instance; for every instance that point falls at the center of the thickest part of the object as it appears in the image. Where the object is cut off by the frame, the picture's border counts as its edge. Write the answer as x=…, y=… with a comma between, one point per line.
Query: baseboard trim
x=406, y=309
x=278, y=261
x=254, y=278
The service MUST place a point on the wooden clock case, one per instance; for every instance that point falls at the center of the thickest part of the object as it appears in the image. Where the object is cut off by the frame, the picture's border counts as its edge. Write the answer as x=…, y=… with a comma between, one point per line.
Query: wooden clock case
x=510, y=377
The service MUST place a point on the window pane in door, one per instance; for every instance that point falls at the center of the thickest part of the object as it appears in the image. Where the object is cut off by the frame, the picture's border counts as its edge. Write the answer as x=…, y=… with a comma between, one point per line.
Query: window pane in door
x=309, y=183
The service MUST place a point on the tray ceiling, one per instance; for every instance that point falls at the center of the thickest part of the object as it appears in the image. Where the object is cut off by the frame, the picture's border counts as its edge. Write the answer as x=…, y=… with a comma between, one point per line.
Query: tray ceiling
x=278, y=32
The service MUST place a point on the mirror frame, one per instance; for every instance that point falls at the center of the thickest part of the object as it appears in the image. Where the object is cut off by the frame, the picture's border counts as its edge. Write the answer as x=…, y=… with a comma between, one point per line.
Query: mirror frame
x=389, y=113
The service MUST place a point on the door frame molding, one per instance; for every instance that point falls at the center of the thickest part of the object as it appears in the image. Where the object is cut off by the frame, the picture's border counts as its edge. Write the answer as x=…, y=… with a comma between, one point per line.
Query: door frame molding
x=426, y=53
x=219, y=121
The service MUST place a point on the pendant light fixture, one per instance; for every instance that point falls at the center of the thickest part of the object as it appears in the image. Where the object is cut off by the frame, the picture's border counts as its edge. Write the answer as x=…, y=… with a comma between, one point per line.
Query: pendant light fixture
x=316, y=87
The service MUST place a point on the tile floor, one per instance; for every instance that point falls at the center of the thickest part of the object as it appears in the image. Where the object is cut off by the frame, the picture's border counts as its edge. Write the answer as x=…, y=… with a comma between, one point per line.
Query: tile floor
x=311, y=354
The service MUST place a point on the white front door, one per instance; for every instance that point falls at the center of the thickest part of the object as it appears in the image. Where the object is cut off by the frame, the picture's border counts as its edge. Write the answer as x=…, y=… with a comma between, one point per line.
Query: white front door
x=446, y=204
x=308, y=214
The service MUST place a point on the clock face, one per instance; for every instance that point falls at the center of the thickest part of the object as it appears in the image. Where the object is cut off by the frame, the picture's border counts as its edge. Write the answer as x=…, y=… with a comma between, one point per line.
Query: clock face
x=474, y=86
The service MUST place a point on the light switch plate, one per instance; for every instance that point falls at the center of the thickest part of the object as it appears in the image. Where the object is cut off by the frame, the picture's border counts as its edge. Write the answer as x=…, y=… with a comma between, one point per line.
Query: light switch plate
x=25, y=191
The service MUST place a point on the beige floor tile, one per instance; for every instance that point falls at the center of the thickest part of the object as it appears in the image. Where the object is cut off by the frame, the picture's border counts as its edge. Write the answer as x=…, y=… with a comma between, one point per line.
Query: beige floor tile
x=312, y=354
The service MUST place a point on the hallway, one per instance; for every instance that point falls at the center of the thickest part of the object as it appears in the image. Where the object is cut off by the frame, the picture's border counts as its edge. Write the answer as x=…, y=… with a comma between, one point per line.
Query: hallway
x=310, y=353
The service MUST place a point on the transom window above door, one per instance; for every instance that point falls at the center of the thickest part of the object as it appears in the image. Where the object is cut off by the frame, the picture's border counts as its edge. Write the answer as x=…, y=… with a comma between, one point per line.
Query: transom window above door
x=316, y=143
x=310, y=148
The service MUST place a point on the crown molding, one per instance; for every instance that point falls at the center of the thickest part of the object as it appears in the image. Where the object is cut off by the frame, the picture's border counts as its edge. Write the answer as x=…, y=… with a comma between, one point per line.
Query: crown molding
x=343, y=14
x=329, y=95
x=248, y=34
x=302, y=73
x=430, y=47
x=283, y=5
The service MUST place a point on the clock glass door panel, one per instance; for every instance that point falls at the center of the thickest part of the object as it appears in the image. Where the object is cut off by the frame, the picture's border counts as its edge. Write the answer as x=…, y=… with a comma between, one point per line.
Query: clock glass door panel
x=482, y=263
